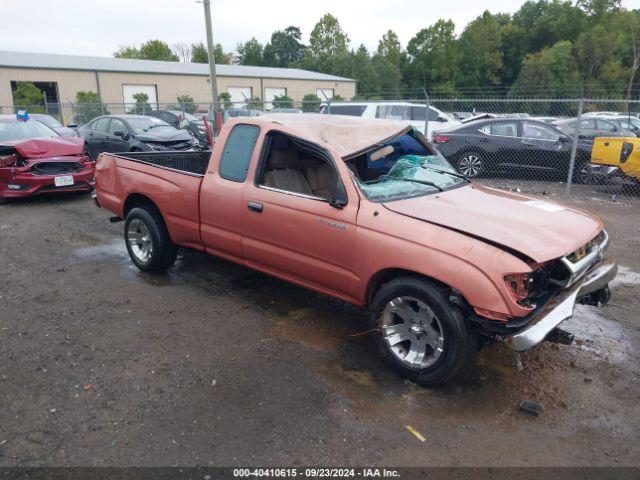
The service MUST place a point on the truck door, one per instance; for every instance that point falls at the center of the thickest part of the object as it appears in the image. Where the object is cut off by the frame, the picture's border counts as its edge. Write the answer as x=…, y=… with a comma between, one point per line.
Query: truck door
x=222, y=193
x=290, y=227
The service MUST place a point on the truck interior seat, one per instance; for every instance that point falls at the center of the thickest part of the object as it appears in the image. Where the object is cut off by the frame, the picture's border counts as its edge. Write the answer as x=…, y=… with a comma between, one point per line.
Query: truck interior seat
x=321, y=179
x=280, y=173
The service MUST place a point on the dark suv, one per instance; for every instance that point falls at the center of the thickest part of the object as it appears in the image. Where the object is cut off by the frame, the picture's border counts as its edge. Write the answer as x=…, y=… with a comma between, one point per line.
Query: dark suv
x=133, y=133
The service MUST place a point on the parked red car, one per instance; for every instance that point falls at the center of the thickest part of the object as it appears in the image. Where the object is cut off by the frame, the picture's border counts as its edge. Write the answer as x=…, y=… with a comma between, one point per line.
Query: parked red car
x=34, y=159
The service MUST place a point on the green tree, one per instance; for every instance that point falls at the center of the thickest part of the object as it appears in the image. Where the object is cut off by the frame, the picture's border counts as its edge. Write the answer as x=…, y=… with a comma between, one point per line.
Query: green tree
x=554, y=67
x=27, y=96
x=142, y=103
x=250, y=53
x=282, y=101
x=480, y=52
x=310, y=103
x=186, y=102
x=599, y=8
x=254, y=103
x=199, y=54
x=434, y=55
x=89, y=105
x=559, y=20
x=284, y=48
x=151, y=50
x=225, y=100
x=326, y=42
x=361, y=68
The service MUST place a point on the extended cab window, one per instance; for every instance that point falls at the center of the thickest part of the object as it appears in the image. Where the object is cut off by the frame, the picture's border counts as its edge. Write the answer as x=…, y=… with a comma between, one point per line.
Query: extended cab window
x=236, y=156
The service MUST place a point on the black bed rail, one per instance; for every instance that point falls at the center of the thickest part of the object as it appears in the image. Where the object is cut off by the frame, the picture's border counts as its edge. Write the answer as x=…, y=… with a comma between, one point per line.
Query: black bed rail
x=190, y=162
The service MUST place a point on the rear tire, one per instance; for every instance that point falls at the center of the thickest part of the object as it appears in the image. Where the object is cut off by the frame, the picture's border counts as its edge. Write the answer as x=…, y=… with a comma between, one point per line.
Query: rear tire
x=147, y=240
x=418, y=332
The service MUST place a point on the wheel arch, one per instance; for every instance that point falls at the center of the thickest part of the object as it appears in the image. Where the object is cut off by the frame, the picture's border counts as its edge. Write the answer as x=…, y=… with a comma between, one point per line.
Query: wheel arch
x=382, y=277
x=135, y=200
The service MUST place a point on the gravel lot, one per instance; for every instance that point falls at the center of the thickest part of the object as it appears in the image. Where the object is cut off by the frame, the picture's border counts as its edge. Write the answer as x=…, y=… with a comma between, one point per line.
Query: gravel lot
x=212, y=364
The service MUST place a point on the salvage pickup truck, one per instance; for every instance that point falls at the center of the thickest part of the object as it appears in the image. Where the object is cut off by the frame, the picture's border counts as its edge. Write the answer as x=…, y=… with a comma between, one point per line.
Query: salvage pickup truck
x=445, y=265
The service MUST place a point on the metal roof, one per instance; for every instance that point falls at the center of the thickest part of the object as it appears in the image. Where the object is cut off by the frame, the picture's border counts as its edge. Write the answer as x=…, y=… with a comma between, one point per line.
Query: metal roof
x=52, y=61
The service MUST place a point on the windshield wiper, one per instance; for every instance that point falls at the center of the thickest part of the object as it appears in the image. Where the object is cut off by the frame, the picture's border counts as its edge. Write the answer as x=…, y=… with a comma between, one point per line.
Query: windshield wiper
x=422, y=182
x=453, y=174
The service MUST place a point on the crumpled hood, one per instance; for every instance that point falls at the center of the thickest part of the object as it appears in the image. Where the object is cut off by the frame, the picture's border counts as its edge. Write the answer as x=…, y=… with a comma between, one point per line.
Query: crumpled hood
x=46, y=147
x=539, y=229
x=164, y=136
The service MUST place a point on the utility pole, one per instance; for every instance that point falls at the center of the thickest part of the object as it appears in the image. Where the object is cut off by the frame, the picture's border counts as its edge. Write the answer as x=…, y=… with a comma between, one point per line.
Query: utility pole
x=212, y=60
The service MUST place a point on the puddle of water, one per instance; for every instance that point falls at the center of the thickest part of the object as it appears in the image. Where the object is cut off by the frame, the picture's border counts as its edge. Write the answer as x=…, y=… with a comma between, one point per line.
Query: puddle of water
x=625, y=277
x=605, y=338
x=114, y=249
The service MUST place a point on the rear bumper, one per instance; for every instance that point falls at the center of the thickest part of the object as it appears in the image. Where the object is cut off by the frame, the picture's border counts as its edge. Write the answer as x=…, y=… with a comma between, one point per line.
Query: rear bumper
x=561, y=307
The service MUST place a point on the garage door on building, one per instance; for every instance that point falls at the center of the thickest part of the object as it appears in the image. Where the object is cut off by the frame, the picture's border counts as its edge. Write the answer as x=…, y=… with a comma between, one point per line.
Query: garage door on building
x=324, y=93
x=272, y=92
x=128, y=91
x=239, y=95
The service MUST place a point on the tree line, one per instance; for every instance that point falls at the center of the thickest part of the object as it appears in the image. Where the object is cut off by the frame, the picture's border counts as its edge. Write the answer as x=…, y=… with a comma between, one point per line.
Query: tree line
x=548, y=48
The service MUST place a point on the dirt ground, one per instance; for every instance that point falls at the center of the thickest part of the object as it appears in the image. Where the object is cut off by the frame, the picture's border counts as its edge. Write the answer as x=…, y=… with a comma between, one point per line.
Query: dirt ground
x=212, y=364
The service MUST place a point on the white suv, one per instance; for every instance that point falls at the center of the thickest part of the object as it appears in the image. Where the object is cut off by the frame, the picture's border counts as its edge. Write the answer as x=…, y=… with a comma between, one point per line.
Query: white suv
x=413, y=114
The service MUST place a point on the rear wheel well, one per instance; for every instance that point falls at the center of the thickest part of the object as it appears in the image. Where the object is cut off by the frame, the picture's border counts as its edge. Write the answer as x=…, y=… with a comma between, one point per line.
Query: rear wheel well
x=137, y=200
x=385, y=276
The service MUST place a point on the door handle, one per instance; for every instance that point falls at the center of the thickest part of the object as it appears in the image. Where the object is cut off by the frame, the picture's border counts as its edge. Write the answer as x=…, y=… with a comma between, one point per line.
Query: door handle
x=255, y=206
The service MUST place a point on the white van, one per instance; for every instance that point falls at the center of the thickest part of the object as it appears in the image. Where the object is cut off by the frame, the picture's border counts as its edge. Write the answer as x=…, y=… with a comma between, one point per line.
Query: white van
x=412, y=113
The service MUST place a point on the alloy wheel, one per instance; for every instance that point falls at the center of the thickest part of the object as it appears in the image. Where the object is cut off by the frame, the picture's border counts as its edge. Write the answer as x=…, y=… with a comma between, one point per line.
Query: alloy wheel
x=470, y=165
x=412, y=332
x=139, y=239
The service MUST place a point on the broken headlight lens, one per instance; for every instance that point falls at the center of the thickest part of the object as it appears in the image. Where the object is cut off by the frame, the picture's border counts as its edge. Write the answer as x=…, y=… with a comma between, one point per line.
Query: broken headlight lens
x=525, y=288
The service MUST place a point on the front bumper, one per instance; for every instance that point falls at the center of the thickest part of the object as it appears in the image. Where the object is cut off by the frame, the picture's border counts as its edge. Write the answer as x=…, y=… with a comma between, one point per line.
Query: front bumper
x=561, y=307
x=37, y=184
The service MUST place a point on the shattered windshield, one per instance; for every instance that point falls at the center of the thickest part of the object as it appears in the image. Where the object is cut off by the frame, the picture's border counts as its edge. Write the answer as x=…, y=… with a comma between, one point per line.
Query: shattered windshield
x=404, y=167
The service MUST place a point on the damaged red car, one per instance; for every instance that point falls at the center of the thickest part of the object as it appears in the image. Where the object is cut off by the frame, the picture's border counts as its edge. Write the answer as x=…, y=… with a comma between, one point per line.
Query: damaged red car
x=34, y=159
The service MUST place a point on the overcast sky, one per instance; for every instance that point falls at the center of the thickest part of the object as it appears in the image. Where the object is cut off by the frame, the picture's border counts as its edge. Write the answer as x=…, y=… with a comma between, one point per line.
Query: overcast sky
x=98, y=27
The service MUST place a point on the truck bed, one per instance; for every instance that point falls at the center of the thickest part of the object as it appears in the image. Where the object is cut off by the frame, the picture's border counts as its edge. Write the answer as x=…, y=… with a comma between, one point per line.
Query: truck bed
x=171, y=180
x=187, y=162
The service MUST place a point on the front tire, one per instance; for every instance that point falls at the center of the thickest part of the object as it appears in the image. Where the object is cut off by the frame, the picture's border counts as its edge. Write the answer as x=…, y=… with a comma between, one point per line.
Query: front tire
x=147, y=240
x=418, y=332
x=471, y=164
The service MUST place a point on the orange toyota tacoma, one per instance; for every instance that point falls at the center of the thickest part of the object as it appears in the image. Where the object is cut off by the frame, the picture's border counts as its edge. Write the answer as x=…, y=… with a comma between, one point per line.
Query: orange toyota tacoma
x=368, y=212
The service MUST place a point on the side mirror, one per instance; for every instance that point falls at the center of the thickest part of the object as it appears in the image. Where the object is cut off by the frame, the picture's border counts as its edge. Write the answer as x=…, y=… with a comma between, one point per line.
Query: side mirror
x=441, y=119
x=340, y=199
x=118, y=133
x=563, y=139
x=72, y=125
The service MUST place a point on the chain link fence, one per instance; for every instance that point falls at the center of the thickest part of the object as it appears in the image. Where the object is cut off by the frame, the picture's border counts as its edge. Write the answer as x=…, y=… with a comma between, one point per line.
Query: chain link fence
x=582, y=147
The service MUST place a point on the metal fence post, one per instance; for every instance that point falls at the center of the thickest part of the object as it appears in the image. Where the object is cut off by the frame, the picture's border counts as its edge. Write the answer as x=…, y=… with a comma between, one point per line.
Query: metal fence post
x=574, y=147
x=426, y=115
